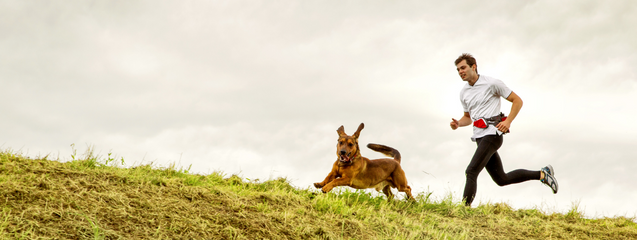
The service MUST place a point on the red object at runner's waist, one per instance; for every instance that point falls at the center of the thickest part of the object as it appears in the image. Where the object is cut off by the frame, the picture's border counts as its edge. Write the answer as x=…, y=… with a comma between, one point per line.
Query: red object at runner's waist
x=482, y=123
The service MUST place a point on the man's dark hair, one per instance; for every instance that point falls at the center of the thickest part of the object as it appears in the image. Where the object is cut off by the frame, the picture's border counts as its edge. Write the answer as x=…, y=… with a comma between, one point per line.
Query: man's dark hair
x=470, y=60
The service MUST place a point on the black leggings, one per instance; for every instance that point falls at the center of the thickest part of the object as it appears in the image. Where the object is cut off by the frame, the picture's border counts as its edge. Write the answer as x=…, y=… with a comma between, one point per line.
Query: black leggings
x=486, y=156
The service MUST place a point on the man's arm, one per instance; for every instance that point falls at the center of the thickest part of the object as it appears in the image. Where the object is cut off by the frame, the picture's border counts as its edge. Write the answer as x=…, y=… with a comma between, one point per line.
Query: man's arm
x=464, y=121
x=516, y=101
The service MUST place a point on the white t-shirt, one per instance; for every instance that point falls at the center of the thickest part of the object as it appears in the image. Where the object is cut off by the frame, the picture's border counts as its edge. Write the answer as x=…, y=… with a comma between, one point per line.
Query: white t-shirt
x=482, y=100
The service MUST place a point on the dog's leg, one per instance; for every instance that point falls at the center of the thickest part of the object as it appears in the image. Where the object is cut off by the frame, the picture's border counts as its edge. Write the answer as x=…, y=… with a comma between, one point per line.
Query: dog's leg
x=343, y=181
x=400, y=180
x=330, y=177
x=407, y=190
x=388, y=193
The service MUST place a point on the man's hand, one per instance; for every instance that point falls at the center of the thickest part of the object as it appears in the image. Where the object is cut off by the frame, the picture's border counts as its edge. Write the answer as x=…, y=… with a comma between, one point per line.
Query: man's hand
x=465, y=120
x=504, y=126
x=454, y=124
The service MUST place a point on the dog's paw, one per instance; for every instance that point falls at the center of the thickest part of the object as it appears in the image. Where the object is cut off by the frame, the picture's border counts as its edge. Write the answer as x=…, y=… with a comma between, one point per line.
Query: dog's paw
x=318, y=185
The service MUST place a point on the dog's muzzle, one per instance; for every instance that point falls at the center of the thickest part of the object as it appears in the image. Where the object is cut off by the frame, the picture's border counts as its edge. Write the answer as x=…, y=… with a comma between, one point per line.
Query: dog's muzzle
x=344, y=158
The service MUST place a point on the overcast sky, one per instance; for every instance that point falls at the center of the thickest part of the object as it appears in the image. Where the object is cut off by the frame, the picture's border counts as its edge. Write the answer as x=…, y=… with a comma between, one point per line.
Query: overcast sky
x=258, y=88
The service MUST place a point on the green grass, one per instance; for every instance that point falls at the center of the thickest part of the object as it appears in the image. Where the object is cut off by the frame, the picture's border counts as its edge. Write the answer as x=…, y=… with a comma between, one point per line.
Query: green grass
x=93, y=198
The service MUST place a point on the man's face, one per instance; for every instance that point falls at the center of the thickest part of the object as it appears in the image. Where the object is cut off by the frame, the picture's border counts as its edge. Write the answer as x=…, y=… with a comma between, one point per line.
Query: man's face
x=466, y=72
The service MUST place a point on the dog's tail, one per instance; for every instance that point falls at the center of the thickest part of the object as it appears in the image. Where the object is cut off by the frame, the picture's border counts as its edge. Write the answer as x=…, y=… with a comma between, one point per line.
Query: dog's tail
x=388, y=151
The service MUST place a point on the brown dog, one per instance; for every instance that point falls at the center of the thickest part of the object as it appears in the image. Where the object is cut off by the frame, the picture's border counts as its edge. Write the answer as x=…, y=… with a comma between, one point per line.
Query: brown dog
x=352, y=169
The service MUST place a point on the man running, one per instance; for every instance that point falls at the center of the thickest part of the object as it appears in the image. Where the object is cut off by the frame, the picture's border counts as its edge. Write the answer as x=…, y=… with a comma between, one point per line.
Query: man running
x=480, y=100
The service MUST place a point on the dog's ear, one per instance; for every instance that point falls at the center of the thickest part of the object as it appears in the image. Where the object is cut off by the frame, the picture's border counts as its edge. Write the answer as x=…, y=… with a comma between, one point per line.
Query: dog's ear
x=358, y=131
x=341, y=131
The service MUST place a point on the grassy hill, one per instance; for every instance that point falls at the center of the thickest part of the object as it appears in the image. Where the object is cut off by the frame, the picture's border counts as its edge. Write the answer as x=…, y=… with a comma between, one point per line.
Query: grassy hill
x=91, y=198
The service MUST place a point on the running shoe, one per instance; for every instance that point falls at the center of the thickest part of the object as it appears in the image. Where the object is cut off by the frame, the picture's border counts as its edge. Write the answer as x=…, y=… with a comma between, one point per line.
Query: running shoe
x=549, y=179
x=549, y=169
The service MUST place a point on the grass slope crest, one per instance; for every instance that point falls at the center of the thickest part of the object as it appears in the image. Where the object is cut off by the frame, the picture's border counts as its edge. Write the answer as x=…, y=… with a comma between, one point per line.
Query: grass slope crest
x=93, y=198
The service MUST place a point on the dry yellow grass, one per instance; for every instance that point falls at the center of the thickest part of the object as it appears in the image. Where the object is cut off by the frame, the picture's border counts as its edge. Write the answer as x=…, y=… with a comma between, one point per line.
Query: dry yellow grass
x=91, y=199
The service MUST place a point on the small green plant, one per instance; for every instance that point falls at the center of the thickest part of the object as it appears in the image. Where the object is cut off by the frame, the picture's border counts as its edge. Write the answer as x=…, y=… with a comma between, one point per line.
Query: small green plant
x=73, y=151
x=97, y=232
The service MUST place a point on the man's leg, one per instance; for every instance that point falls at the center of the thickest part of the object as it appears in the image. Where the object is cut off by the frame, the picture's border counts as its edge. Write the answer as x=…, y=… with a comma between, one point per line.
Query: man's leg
x=487, y=147
x=495, y=169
